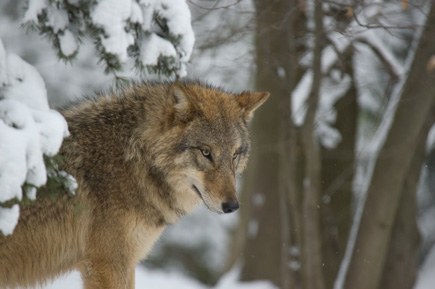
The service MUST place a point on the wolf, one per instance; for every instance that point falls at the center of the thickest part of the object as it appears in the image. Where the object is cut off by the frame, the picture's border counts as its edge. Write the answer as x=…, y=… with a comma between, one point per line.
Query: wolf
x=142, y=157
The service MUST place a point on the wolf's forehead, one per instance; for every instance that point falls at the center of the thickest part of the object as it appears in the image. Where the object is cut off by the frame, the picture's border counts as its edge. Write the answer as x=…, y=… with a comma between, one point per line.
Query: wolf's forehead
x=219, y=104
x=224, y=132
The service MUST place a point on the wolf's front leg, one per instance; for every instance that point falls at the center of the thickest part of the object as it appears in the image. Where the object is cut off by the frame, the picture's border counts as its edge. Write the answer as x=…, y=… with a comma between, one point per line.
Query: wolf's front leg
x=108, y=274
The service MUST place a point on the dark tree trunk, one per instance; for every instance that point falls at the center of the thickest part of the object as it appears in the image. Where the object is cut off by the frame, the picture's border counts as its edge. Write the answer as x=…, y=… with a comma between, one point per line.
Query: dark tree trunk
x=401, y=264
x=338, y=167
x=312, y=258
x=393, y=163
x=265, y=186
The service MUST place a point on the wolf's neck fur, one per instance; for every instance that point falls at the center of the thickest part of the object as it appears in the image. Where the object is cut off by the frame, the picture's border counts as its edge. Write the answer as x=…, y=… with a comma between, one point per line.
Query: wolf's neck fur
x=107, y=149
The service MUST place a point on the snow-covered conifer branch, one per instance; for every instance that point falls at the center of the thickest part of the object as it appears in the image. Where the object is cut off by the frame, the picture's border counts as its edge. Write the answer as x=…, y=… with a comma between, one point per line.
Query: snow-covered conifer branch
x=29, y=130
x=156, y=34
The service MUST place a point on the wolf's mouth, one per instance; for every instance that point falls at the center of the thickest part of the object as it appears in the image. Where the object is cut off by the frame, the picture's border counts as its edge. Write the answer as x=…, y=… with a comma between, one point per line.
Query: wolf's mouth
x=197, y=191
x=211, y=208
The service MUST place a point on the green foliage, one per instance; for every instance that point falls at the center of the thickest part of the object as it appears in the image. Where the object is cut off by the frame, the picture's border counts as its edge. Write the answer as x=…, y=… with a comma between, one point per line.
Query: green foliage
x=165, y=65
x=58, y=181
x=121, y=82
x=165, y=31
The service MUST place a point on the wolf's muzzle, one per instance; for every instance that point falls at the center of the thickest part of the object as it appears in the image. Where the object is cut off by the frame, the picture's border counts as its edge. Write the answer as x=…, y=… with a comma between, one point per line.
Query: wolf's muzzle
x=230, y=207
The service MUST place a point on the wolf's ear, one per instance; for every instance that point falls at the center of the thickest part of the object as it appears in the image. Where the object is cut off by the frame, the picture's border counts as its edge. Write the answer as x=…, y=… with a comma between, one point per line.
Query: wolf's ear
x=183, y=106
x=249, y=102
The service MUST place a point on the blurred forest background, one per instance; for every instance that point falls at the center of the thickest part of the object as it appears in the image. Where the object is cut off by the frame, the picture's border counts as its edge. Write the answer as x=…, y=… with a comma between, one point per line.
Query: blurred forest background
x=340, y=188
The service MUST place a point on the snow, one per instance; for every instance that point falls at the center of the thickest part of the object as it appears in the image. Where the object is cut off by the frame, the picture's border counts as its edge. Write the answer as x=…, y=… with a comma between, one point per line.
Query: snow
x=113, y=19
x=426, y=276
x=331, y=90
x=57, y=19
x=147, y=8
x=112, y=16
x=294, y=251
x=431, y=138
x=68, y=43
x=258, y=199
x=252, y=229
x=23, y=80
x=28, y=129
x=178, y=20
x=230, y=280
x=371, y=37
x=294, y=265
x=136, y=14
x=70, y=181
x=9, y=218
x=329, y=136
x=299, y=98
x=154, y=279
x=31, y=192
x=35, y=7
x=202, y=230
x=281, y=72
x=177, y=14
x=13, y=162
x=153, y=46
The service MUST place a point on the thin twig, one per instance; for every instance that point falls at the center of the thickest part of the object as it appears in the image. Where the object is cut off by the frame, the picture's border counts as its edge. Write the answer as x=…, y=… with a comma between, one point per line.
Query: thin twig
x=215, y=8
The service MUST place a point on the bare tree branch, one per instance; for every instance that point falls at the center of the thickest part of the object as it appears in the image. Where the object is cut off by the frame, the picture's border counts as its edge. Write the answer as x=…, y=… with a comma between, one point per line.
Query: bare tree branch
x=383, y=195
x=215, y=8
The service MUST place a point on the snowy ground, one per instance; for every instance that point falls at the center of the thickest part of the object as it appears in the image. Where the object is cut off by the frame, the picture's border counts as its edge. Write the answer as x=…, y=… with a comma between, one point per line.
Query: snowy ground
x=155, y=279
x=164, y=280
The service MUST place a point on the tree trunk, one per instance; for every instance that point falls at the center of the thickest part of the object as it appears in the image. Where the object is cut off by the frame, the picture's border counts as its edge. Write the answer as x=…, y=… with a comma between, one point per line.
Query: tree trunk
x=311, y=201
x=265, y=184
x=338, y=167
x=401, y=264
x=394, y=160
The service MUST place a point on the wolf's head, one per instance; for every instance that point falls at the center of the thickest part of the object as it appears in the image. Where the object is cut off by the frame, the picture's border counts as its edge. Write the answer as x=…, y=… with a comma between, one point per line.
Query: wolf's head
x=205, y=142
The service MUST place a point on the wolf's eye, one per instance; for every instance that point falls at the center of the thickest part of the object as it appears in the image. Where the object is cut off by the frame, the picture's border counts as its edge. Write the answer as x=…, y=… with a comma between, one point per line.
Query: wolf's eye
x=206, y=153
x=235, y=155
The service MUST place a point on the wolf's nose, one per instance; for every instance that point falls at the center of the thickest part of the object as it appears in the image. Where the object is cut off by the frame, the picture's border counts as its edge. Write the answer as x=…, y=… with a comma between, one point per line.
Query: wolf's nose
x=230, y=207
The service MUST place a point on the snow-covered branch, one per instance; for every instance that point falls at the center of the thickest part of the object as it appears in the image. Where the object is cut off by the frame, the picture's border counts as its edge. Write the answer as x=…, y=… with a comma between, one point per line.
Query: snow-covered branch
x=156, y=34
x=333, y=87
x=29, y=129
x=336, y=84
x=370, y=38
